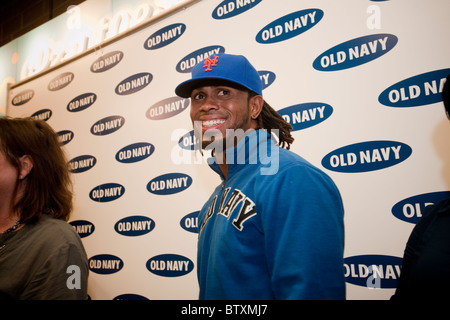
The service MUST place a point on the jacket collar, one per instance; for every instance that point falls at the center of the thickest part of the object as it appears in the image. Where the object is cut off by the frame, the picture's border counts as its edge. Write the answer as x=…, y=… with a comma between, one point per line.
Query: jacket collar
x=251, y=150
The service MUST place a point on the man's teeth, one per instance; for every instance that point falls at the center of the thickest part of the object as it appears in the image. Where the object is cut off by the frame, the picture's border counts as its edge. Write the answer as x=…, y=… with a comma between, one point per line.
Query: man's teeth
x=210, y=123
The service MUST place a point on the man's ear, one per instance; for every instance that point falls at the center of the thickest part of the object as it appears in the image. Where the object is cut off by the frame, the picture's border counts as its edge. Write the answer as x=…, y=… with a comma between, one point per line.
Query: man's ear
x=26, y=164
x=256, y=104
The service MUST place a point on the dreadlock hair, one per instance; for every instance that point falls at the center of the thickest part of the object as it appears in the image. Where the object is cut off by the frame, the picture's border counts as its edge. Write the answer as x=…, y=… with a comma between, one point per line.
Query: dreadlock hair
x=270, y=119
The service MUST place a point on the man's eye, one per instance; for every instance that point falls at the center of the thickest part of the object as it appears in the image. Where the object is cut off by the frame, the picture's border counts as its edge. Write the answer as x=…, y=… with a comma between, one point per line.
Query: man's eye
x=198, y=96
x=223, y=92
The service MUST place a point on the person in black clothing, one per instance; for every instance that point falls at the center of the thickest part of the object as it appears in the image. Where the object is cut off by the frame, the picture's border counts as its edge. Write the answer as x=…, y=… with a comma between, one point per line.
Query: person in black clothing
x=426, y=262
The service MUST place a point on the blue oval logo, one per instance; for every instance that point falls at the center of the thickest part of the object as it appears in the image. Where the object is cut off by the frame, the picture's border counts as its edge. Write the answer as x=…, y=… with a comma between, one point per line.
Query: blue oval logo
x=267, y=78
x=420, y=90
x=302, y=116
x=130, y=296
x=107, y=61
x=169, y=183
x=410, y=209
x=43, y=114
x=107, y=125
x=134, y=226
x=164, y=36
x=105, y=264
x=82, y=163
x=367, y=156
x=355, y=52
x=230, y=8
x=188, y=62
x=61, y=81
x=82, y=102
x=289, y=26
x=107, y=192
x=190, y=222
x=134, y=83
x=82, y=227
x=188, y=141
x=373, y=271
x=135, y=152
x=170, y=265
x=65, y=136
x=167, y=108
x=22, y=97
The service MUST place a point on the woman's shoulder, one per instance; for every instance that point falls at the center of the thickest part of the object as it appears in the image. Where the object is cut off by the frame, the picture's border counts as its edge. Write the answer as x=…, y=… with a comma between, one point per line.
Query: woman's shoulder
x=55, y=230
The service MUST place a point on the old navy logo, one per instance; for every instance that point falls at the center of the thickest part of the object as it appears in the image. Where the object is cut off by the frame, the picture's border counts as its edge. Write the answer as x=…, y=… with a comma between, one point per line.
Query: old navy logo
x=411, y=209
x=246, y=211
x=190, y=222
x=61, y=81
x=169, y=183
x=167, y=108
x=105, y=264
x=82, y=227
x=191, y=60
x=230, y=8
x=170, y=265
x=135, y=152
x=81, y=102
x=134, y=83
x=302, y=116
x=65, y=136
x=189, y=141
x=107, y=192
x=267, y=78
x=373, y=271
x=164, y=36
x=420, y=90
x=367, y=156
x=355, y=52
x=82, y=163
x=289, y=26
x=107, y=61
x=107, y=125
x=210, y=63
x=22, y=97
x=43, y=114
x=134, y=226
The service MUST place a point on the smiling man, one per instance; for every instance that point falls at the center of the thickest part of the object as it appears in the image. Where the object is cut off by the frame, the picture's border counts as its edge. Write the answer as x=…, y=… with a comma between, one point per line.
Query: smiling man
x=273, y=229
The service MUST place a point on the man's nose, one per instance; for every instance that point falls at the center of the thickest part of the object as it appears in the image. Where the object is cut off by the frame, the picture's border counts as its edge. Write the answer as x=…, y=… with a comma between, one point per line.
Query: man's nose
x=209, y=104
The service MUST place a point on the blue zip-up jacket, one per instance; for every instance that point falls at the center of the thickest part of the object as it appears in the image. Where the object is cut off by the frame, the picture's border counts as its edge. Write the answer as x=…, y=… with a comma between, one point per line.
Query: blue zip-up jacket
x=272, y=230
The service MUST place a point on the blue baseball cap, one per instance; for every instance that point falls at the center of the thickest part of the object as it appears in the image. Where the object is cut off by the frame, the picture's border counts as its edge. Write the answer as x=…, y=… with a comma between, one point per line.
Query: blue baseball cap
x=228, y=67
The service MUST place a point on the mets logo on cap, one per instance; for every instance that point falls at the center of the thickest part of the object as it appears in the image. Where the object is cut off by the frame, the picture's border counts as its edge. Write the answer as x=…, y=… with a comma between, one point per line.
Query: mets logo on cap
x=208, y=63
x=225, y=67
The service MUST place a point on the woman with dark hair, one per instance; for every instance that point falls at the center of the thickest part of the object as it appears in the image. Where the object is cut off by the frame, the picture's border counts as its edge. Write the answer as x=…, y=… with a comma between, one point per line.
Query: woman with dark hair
x=41, y=256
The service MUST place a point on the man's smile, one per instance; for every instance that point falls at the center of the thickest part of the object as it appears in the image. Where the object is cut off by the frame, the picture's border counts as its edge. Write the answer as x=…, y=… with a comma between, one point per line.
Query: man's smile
x=212, y=123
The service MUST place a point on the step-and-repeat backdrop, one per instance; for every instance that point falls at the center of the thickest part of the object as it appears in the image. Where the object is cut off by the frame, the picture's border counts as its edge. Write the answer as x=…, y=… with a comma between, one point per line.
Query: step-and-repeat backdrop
x=359, y=81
